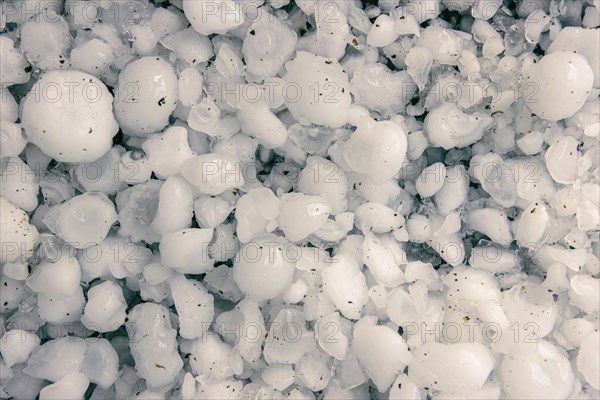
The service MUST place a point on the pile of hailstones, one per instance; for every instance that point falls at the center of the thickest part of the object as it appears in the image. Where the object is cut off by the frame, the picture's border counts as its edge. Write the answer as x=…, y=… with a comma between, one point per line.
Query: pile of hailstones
x=269, y=199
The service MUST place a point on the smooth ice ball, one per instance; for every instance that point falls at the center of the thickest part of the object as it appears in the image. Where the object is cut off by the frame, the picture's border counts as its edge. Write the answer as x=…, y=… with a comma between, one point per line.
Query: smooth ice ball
x=68, y=115
x=317, y=90
x=146, y=96
x=208, y=17
x=85, y=220
x=265, y=267
x=558, y=85
x=376, y=149
x=17, y=236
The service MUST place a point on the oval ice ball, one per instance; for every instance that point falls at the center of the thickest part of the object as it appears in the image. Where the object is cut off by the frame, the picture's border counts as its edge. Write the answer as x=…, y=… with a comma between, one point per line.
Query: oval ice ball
x=558, y=85
x=316, y=90
x=85, y=220
x=208, y=17
x=265, y=267
x=376, y=149
x=68, y=115
x=146, y=96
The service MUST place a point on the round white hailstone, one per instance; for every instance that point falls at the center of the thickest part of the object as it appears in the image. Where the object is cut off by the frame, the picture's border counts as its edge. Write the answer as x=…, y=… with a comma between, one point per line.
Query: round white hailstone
x=376, y=149
x=278, y=376
x=587, y=359
x=279, y=349
x=383, y=31
x=269, y=43
x=186, y=251
x=85, y=220
x=68, y=115
x=447, y=126
x=101, y=363
x=46, y=40
x=491, y=222
x=316, y=90
x=378, y=218
x=543, y=373
x=258, y=121
x=194, y=306
x=431, y=180
x=137, y=206
x=16, y=345
x=13, y=66
x=213, y=173
x=168, y=151
x=153, y=346
x=146, y=96
x=101, y=175
x=454, y=192
x=581, y=41
x=211, y=212
x=561, y=160
x=61, y=309
x=455, y=368
x=583, y=293
x=72, y=386
x=19, y=184
x=175, y=206
x=529, y=304
x=70, y=350
x=254, y=211
x=105, y=308
x=325, y=178
x=265, y=267
x=56, y=277
x=562, y=82
x=345, y=285
x=190, y=86
x=214, y=359
x=330, y=336
x=381, y=351
x=94, y=57
x=533, y=225
x=445, y=45
x=209, y=17
x=301, y=215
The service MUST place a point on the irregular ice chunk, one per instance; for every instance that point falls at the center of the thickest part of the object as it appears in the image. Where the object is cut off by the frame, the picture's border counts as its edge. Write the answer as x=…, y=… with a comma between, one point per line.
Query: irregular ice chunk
x=101, y=362
x=70, y=387
x=175, y=206
x=186, y=251
x=56, y=277
x=213, y=173
x=561, y=160
x=445, y=45
x=345, y=285
x=16, y=345
x=209, y=17
x=254, y=211
x=168, y=151
x=215, y=359
x=19, y=183
x=325, y=178
x=491, y=222
x=447, y=126
x=587, y=359
x=105, y=307
x=313, y=211
x=194, y=306
x=288, y=339
x=42, y=361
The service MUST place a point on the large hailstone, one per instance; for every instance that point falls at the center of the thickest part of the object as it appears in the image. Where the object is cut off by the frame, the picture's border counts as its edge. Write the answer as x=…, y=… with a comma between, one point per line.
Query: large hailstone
x=558, y=85
x=317, y=90
x=68, y=115
x=146, y=96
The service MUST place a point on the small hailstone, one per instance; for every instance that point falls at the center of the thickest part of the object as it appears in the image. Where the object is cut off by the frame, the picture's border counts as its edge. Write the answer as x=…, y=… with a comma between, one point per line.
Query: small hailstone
x=447, y=126
x=105, y=308
x=194, y=306
x=493, y=258
x=321, y=176
x=42, y=361
x=431, y=179
x=519, y=371
x=279, y=376
x=254, y=212
x=555, y=99
x=376, y=150
x=102, y=175
x=189, y=46
x=56, y=277
x=317, y=90
x=60, y=309
x=530, y=303
x=94, y=57
x=258, y=121
x=383, y=31
x=13, y=65
x=12, y=141
x=330, y=336
x=101, y=362
x=454, y=192
x=313, y=211
x=533, y=225
x=213, y=173
x=146, y=96
x=445, y=45
x=72, y=386
x=214, y=359
x=19, y=185
x=587, y=359
x=531, y=143
x=378, y=218
x=345, y=285
x=46, y=41
x=190, y=86
x=561, y=160
x=175, y=206
x=265, y=267
x=153, y=345
x=278, y=349
x=16, y=345
x=490, y=222
x=85, y=220
x=211, y=212
x=166, y=152
x=381, y=351
x=208, y=18
x=457, y=368
x=48, y=116
x=186, y=251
